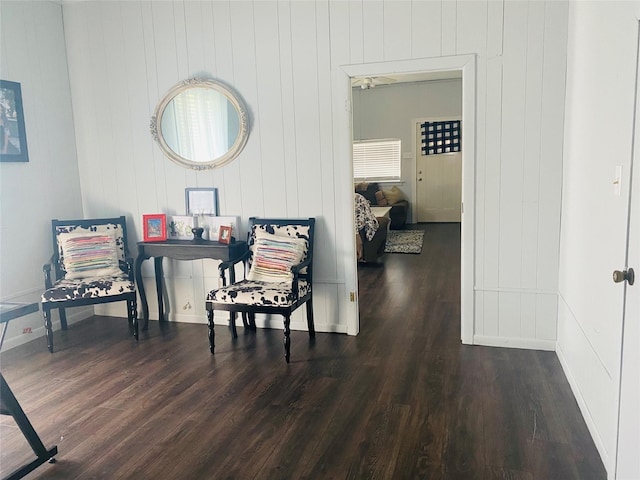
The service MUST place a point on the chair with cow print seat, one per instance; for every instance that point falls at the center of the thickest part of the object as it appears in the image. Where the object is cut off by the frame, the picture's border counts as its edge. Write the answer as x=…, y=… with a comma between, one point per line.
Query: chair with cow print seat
x=91, y=264
x=277, y=279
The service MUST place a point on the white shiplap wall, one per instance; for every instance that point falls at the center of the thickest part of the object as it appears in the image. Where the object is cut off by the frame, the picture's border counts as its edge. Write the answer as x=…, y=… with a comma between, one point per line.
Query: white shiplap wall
x=519, y=167
x=284, y=58
x=32, y=53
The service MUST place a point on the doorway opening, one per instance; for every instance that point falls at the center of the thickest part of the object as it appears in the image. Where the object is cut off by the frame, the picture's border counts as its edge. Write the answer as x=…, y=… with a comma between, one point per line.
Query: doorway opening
x=411, y=71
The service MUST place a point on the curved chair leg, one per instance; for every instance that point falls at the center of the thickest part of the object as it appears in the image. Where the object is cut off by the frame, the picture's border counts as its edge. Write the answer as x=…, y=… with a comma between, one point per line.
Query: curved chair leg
x=212, y=333
x=310, y=324
x=245, y=321
x=252, y=321
x=134, y=311
x=287, y=337
x=232, y=323
x=48, y=328
x=133, y=317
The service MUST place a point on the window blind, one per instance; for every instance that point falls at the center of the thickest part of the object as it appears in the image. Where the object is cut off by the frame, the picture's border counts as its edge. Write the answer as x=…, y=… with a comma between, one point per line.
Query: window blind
x=377, y=159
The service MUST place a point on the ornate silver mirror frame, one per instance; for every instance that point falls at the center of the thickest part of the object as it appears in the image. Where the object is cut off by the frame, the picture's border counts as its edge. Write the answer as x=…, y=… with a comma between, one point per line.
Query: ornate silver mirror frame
x=188, y=142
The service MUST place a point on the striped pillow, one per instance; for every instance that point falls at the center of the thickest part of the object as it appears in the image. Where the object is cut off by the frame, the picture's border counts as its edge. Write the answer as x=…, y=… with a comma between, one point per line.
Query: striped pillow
x=91, y=254
x=273, y=257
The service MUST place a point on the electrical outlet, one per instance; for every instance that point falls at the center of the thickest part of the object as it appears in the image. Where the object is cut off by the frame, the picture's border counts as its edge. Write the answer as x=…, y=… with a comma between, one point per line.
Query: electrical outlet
x=26, y=330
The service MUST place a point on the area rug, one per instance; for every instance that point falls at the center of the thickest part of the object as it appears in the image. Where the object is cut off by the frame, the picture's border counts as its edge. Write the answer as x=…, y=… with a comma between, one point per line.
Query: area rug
x=404, y=241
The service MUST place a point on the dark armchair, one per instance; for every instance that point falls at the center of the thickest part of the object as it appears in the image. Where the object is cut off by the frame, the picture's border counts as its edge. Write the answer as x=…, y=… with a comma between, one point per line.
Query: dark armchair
x=371, y=231
x=278, y=277
x=369, y=251
x=91, y=265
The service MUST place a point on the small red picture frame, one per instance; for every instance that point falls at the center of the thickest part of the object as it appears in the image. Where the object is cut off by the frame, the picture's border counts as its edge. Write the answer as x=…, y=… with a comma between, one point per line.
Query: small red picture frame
x=224, y=234
x=154, y=227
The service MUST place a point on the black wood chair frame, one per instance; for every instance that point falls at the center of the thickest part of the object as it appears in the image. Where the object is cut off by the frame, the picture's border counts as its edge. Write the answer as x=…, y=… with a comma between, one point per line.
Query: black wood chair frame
x=249, y=311
x=126, y=267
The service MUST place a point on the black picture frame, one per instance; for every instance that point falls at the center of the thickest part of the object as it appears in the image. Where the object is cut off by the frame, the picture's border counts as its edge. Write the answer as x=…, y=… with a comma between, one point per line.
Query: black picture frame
x=13, y=136
x=201, y=201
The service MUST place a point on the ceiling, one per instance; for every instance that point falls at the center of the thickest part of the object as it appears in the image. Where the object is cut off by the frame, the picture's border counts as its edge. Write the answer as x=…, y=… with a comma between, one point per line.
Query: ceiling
x=388, y=79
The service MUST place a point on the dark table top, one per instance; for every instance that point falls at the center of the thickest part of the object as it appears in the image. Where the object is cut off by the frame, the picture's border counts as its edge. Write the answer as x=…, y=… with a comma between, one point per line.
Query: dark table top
x=193, y=250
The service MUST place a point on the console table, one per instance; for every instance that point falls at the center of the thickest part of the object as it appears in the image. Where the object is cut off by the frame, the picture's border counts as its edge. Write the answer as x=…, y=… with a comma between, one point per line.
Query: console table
x=179, y=250
x=9, y=404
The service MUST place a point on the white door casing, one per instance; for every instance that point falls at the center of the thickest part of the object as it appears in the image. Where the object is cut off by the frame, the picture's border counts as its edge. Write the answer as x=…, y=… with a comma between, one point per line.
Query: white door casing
x=466, y=64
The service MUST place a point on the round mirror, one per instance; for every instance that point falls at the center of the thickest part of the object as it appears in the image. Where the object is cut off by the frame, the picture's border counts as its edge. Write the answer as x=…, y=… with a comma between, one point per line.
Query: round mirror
x=200, y=124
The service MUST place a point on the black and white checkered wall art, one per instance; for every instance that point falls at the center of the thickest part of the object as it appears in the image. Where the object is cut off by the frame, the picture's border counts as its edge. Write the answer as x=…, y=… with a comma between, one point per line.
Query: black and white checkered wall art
x=441, y=137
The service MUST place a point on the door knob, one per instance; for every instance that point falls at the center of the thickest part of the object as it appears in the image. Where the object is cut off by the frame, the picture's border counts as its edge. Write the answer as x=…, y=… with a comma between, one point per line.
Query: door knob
x=628, y=275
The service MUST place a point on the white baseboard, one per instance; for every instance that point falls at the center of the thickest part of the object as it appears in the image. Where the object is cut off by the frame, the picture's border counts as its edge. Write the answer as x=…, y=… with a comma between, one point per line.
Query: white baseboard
x=582, y=405
x=183, y=318
x=261, y=322
x=297, y=326
x=524, y=343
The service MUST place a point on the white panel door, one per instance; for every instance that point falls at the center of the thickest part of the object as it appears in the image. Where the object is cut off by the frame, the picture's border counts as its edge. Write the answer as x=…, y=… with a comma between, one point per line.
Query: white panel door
x=628, y=461
x=438, y=187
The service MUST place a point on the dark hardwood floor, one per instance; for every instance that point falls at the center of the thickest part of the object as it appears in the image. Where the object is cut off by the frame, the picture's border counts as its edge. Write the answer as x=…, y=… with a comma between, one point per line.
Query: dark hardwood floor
x=402, y=400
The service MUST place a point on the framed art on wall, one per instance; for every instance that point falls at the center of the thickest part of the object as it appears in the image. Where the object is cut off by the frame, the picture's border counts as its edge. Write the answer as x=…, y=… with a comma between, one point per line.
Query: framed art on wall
x=13, y=136
x=154, y=227
x=201, y=201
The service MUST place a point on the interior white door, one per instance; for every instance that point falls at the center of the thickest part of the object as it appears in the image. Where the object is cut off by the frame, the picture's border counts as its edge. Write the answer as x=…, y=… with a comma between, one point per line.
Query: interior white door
x=421, y=190
x=627, y=459
x=438, y=185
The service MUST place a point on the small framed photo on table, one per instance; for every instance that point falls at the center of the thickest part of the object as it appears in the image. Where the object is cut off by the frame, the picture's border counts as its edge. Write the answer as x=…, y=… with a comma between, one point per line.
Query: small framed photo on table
x=201, y=201
x=224, y=234
x=154, y=227
x=213, y=224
